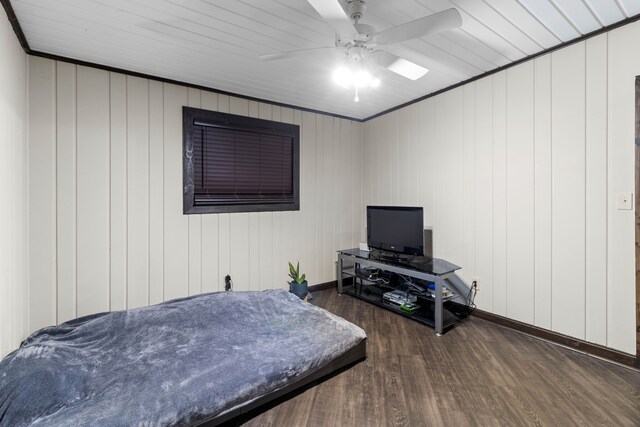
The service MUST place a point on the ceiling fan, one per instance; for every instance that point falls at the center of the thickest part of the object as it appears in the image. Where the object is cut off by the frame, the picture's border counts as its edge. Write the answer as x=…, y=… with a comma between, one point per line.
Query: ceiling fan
x=363, y=44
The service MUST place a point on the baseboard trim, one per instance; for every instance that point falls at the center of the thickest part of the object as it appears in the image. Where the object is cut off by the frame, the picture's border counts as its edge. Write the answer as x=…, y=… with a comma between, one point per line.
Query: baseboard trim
x=536, y=332
x=323, y=286
x=554, y=337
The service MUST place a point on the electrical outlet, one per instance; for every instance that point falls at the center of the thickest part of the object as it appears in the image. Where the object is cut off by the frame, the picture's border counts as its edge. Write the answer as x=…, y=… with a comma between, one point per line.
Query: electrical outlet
x=227, y=282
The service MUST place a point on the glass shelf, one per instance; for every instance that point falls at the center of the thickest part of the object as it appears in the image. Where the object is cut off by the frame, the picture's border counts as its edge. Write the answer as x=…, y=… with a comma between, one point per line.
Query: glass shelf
x=356, y=269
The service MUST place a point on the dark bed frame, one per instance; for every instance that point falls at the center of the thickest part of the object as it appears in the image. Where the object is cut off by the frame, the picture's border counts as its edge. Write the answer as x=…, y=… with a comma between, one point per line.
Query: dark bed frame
x=242, y=413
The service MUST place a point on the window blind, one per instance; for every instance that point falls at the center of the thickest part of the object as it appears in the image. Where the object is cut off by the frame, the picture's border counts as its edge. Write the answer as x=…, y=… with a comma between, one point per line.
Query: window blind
x=232, y=166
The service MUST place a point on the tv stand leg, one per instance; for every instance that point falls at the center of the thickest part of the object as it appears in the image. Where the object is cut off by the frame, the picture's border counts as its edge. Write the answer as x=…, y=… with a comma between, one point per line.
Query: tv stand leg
x=339, y=273
x=438, y=307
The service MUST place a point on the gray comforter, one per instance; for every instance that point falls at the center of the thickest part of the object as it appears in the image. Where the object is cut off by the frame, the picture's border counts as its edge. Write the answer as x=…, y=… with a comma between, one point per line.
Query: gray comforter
x=175, y=363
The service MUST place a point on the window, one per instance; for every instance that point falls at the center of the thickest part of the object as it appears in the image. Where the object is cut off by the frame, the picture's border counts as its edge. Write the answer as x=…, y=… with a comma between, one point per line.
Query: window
x=239, y=164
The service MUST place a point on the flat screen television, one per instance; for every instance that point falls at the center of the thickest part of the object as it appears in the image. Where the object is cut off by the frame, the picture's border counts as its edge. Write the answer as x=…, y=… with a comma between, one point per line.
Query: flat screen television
x=397, y=229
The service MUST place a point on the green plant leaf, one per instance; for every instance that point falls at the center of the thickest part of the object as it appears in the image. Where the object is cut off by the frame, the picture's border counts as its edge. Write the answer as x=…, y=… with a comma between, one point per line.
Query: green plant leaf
x=294, y=273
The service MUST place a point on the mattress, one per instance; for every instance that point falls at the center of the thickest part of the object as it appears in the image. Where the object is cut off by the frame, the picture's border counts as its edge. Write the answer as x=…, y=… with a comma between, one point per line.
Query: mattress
x=183, y=362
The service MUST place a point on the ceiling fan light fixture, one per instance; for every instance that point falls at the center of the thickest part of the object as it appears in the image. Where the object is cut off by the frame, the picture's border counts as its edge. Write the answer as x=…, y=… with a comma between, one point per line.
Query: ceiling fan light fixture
x=407, y=69
x=343, y=77
x=364, y=46
x=360, y=78
x=355, y=75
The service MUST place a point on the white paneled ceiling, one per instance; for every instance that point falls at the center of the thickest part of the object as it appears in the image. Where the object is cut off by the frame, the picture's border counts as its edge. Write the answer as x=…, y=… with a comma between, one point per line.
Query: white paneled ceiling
x=217, y=43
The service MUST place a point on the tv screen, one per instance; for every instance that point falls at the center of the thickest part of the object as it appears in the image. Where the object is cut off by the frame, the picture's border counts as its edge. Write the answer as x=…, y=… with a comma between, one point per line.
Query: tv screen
x=396, y=229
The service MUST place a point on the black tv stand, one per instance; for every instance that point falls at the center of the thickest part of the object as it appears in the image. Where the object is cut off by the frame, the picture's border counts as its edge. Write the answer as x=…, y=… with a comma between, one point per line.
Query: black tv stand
x=389, y=256
x=441, y=273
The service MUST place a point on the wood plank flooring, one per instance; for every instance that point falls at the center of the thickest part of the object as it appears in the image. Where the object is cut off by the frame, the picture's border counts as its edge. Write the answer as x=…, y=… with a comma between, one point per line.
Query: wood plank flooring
x=477, y=374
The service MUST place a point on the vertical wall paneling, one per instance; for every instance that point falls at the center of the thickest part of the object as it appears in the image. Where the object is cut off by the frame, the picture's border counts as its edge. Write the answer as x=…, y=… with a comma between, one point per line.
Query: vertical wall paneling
x=320, y=193
x=624, y=66
x=373, y=146
x=118, y=191
x=176, y=225
x=345, y=186
x=195, y=225
x=14, y=154
x=137, y=192
x=254, y=228
x=110, y=146
x=384, y=162
x=286, y=225
x=443, y=185
x=279, y=261
x=240, y=261
x=529, y=161
x=66, y=189
x=500, y=194
x=254, y=109
x=414, y=160
x=468, y=259
x=417, y=134
x=42, y=191
x=534, y=158
x=394, y=156
x=266, y=235
x=439, y=154
x=223, y=219
x=568, y=190
x=542, y=192
x=637, y=216
x=596, y=190
x=520, y=193
x=427, y=161
x=355, y=206
x=156, y=192
x=484, y=193
x=329, y=205
x=369, y=133
x=308, y=197
x=296, y=227
x=452, y=195
x=211, y=275
x=93, y=223
x=404, y=157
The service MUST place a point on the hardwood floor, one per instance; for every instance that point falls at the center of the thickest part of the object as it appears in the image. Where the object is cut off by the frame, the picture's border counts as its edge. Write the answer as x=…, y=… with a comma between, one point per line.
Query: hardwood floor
x=478, y=373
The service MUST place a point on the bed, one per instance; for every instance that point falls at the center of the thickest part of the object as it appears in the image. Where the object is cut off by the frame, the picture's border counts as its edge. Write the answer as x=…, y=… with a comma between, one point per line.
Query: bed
x=204, y=359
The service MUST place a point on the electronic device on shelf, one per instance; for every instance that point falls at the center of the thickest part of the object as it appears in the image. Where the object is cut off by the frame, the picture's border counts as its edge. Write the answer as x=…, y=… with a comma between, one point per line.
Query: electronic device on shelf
x=445, y=292
x=409, y=307
x=399, y=297
x=396, y=229
x=410, y=292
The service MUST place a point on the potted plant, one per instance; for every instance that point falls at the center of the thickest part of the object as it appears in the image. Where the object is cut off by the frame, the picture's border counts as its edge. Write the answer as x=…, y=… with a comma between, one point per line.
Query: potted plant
x=298, y=285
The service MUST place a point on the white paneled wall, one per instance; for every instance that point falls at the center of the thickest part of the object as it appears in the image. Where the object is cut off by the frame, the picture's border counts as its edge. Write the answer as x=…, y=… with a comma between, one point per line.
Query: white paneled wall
x=107, y=229
x=568, y=177
x=13, y=189
x=623, y=66
x=518, y=174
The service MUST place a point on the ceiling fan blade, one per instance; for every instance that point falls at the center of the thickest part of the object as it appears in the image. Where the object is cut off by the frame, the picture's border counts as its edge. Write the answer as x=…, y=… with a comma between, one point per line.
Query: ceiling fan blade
x=441, y=21
x=333, y=13
x=297, y=53
x=398, y=65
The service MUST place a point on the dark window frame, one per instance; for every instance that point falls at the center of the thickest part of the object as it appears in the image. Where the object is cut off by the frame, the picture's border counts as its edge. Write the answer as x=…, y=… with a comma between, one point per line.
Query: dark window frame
x=193, y=121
